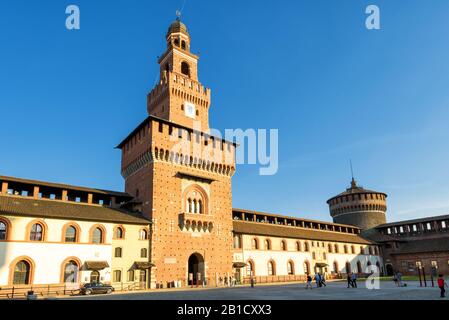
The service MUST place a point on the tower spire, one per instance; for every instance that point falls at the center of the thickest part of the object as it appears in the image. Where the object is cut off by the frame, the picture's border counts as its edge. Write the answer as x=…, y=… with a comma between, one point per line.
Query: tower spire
x=353, y=182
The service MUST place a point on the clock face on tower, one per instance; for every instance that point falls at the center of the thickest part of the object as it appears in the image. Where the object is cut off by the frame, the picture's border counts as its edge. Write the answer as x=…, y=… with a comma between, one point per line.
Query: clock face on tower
x=189, y=109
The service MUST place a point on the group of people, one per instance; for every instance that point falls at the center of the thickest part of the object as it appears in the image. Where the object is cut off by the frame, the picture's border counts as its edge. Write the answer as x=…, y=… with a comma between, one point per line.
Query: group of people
x=320, y=280
x=352, y=280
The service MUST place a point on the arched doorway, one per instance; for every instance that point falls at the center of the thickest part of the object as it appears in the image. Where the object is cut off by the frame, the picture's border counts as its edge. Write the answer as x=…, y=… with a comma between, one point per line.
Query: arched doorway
x=94, y=276
x=390, y=270
x=196, y=269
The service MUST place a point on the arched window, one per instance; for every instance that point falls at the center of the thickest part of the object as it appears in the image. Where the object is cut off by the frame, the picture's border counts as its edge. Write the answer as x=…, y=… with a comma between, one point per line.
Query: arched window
x=283, y=245
x=71, y=271
x=37, y=232
x=143, y=253
x=306, y=267
x=183, y=44
x=250, y=268
x=118, y=233
x=3, y=230
x=329, y=248
x=290, y=268
x=336, y=270
x=362, y=251
x=176, y=42
x=97, y=235
x=359, y=267
x=336, y=248
x=200, y=206
x=255, y=244
x=22, y=273
x=306, y=246
x=267, y=244
x=143, y=234
x=185, y=68
x=345, y=248
x=352, y=249
x=348, y=267
x=70, y=234
x=271, y=268
x=189, y=206
x=195, y=199
x=298, y=246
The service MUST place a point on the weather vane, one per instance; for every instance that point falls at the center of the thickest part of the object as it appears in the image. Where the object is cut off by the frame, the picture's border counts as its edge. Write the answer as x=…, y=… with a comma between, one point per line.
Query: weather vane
x=178, y=15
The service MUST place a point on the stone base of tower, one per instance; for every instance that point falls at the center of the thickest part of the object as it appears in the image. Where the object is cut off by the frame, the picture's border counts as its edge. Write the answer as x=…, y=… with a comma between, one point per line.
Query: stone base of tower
x=195, y=268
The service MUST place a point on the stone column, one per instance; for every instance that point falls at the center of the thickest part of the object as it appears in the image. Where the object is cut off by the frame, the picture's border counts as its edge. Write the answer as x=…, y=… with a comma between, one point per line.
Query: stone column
x=36, y=192
x=4, y=187
x=64, y=195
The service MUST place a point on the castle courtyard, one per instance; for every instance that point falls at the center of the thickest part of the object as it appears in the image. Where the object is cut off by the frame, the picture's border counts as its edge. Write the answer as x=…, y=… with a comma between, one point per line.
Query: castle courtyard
x=334, y=291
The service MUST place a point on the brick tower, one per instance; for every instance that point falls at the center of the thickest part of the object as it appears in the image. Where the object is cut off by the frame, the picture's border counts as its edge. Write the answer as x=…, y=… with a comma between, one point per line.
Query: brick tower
x=359, y=207
x=181, y=174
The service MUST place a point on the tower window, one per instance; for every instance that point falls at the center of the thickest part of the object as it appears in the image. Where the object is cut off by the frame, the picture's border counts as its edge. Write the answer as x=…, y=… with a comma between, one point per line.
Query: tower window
x=183, y=44
x=176, y=42
x=185, y=69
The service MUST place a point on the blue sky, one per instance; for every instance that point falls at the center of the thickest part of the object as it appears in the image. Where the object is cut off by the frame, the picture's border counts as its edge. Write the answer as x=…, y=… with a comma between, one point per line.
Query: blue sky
x=335, y=90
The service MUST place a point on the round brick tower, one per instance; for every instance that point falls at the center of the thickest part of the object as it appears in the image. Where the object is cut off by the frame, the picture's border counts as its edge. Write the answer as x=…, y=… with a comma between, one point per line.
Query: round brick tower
x=359, y=207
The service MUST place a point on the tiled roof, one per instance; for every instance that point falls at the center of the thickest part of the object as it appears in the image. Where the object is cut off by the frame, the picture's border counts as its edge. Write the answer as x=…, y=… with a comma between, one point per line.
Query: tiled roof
x=264, y=229
x=20, y=206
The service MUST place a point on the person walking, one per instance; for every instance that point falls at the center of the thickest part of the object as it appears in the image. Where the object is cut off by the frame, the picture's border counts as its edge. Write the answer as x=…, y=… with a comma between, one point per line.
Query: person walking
x=354, y=280
x=322, y=280
x=442, y=284
x=349, y=279
x=399, y=277
x=318, y=280
x=309, y=282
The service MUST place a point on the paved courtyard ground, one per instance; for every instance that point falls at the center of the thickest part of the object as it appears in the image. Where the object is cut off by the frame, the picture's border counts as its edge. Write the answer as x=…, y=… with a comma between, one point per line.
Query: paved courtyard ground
x=334, y=290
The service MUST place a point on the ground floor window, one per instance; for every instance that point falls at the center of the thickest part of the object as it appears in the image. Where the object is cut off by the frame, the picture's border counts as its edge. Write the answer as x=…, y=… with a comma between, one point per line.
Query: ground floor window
x=71, y=272
x=290, y=268
x=22, y=272
x=131, y=276
x=117, y=276
x=306, y=268
x=271, y=271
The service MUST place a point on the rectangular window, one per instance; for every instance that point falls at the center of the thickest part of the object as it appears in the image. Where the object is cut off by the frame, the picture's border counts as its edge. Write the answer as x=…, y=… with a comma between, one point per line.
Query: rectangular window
x=443, y=224
x=118, y=252
x=429, y=226
x=131, y=276
x=117, y=276
x=389, y=230
x=401, y=229
x=415, y=228
x=161, y=127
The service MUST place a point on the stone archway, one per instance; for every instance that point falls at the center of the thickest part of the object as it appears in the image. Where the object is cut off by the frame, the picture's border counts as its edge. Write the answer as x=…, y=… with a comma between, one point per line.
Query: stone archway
x=390, y=270
x=196, y=270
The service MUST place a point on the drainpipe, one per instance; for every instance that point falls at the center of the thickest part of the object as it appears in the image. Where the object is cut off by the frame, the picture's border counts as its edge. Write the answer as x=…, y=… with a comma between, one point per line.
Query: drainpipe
x=150, y=254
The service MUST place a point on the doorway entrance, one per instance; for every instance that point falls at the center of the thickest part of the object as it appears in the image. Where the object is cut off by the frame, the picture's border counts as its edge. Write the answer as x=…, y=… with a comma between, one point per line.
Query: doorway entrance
x=196, y=269
x=390, y=270
x=94, y=277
